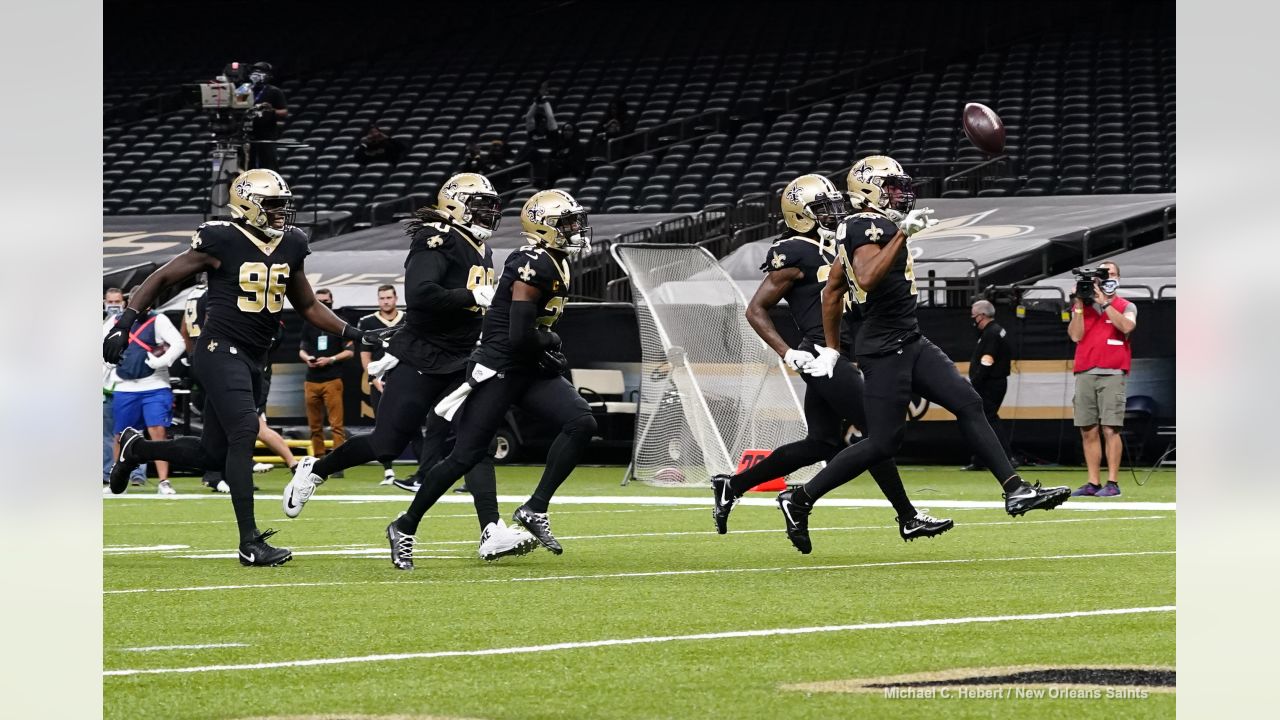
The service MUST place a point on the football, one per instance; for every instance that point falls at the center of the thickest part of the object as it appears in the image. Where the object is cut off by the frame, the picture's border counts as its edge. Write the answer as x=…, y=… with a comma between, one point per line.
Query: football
x=669, y=476
x=984, y=128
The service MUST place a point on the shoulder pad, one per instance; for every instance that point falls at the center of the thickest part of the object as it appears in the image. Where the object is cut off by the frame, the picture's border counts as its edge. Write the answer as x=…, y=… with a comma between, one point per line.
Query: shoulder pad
x=866, y=227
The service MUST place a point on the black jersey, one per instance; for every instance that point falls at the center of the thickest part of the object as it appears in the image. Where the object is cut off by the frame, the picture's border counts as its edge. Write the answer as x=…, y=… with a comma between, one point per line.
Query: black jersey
x=889, y=311
x=804, y=300
x=374, y=321
x=442, y=321
x=539, y=268
x=246, y=292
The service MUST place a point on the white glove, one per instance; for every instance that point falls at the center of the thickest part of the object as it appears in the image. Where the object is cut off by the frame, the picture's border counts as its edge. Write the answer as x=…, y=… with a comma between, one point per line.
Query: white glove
x=917, y=220
x=380, y=367
x=797, y=359
x=484, y=295
x=449, y=405
x=825, y=364
x=156, y=362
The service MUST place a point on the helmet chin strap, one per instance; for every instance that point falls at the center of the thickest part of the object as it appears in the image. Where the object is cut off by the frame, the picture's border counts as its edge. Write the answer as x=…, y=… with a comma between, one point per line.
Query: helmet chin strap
x=479, y=233
x=825, y=235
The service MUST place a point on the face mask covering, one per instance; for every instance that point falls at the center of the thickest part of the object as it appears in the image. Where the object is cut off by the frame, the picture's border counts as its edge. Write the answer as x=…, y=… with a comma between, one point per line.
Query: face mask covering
x=113, y=310
x=257, y=78
x=1109, y=286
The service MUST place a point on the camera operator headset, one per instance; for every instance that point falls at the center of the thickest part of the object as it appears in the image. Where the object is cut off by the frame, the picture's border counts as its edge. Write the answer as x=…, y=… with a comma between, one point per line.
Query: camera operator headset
x=269, y=108
x=1100, y=324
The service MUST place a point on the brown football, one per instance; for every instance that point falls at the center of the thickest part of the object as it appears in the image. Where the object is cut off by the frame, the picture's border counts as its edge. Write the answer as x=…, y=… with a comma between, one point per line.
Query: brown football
x=984, y=128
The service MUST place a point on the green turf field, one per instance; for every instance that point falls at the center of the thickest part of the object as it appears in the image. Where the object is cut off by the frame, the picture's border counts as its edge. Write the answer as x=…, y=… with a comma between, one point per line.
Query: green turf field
x=335, y=625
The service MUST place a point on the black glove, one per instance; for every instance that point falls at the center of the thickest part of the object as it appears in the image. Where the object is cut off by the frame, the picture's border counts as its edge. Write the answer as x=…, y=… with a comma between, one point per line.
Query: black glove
x=552, y=363
x=549, y=340
x=114, y=344
x=369, y=338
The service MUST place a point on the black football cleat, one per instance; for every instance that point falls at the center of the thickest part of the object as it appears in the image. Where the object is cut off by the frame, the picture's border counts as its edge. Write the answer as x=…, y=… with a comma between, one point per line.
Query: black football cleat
x=923, y=525
x=410, y=485
x=724, y=500
x=1033, y=497
x=119, y=475
x=797, y=517
x=257, y=553
x=539, y=526
x=401, y=547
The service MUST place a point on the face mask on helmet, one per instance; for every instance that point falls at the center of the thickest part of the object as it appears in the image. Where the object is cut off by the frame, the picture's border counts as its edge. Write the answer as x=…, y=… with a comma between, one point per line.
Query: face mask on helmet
x=279, y=213
x=897, y=196
x=484, y=213
x=574, y=232
x=827, y=212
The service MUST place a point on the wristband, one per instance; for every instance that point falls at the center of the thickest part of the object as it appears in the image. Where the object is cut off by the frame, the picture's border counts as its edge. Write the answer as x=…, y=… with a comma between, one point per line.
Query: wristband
x=127, y=318
x=1104, y=307
x=350, y=333
x=1078, y=311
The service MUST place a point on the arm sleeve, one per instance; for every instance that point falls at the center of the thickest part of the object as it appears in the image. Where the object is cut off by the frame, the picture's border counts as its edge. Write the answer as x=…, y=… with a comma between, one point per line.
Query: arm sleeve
x=423, y=275
x=524, y=338
x=171, y=337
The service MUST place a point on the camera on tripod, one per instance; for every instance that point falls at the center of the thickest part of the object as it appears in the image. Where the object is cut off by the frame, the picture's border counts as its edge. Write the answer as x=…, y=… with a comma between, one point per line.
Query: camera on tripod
x=1085, y=278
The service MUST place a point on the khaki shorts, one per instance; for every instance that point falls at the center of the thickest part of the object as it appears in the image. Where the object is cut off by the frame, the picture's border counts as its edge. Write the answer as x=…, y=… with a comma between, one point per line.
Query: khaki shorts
x=1099, y=400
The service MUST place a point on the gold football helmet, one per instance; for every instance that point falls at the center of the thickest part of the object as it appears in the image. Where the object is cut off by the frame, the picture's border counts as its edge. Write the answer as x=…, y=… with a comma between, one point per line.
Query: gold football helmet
x=262, y=199
x=813, y=200
x=554, y=219
x=469, y=198
x=879, y=181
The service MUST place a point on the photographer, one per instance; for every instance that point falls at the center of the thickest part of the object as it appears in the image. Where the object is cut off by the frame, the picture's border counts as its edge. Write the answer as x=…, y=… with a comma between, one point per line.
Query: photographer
x=269, y=109
x=1101, y=322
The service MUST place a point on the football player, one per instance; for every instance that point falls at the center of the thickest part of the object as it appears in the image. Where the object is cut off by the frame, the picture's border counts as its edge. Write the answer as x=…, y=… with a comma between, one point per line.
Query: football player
x=448, y=284
x=796, y=268
x=518, y=362
x=253, y=262
x=875, y=265
x=194, y=313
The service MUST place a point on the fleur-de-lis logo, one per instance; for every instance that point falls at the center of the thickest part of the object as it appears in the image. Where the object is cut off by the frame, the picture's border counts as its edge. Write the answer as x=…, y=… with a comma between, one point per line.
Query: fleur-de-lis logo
x=242, y=188
x=195, y=242
x=778, y=260
x=794, y=195
x=213, y=345
x=527, y=272
x=874, y=232
x=435, y=242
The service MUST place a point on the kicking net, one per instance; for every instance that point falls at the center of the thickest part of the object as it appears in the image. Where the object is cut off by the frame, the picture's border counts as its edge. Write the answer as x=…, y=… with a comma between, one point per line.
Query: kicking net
x=709, y=387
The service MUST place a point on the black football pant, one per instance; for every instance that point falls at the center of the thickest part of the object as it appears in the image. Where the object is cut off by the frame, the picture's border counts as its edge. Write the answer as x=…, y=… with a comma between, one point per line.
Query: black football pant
x=552, y=399
x=232, y=382
x=415, y=443
x=408, y=399
x=992, y=392
x=827, y=402
x=922, y=368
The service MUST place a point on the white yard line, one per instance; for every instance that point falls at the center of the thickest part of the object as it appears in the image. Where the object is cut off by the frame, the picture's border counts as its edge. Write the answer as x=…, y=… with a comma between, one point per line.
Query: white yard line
x=223, y=554
x=667, y=500
x=659, y=573
x=154, y=648
x=384, y=517
x=126, y=549
x=616, y=642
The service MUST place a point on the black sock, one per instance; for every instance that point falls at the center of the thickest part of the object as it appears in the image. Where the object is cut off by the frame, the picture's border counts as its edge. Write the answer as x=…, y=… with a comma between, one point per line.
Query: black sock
x=986, y=446
x=484, y=493
x=183, y=450
x=386, y=465
x=890, y=482
x=356, y=451
x=438, y=480
x=561, y=460
x=780, y=463
x=800, y=497
x=1012, y=483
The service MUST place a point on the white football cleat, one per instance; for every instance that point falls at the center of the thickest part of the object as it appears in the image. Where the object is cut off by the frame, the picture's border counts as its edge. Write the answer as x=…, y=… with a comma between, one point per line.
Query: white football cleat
x=262, y=467
x=165, y=488
x=498, y=540
x=300, y=488
x=388, y=477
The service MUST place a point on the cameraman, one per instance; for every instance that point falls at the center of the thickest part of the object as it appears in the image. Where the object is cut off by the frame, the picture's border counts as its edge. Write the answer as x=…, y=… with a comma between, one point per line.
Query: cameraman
x=1101, y=322
x=269, y=109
